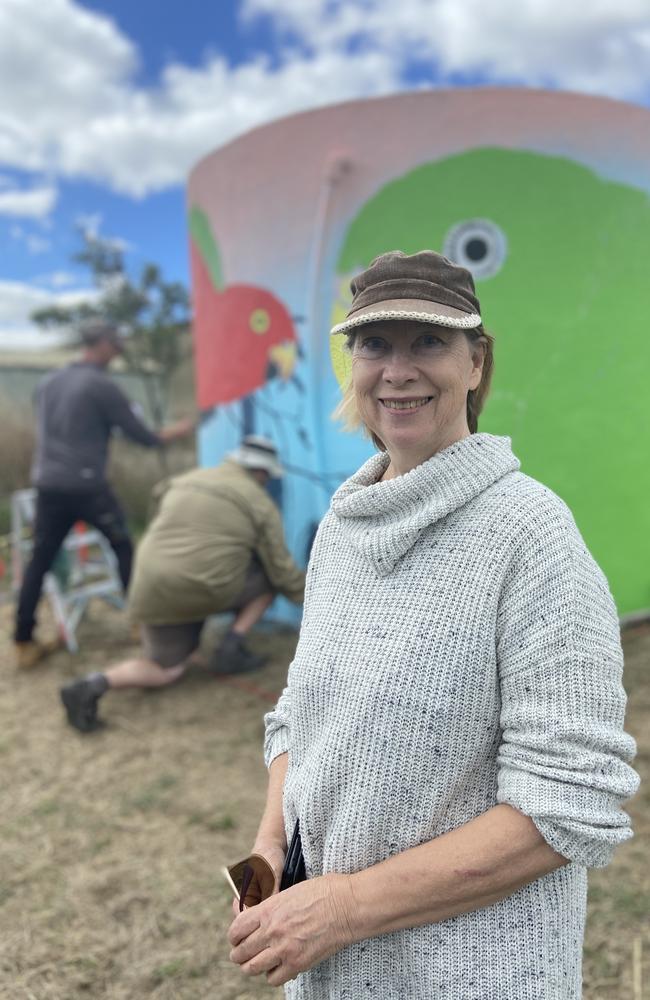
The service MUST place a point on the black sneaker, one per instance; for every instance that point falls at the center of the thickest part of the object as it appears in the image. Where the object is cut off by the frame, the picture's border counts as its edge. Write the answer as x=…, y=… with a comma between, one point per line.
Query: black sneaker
x=231, y=658
x=80, y=702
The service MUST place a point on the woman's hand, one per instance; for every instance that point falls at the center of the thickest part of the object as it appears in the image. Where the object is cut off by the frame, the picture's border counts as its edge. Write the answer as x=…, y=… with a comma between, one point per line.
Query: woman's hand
x=274, y=853
x=294, y=930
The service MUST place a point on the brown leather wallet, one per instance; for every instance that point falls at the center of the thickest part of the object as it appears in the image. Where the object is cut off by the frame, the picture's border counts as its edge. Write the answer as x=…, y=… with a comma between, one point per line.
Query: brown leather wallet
x=255, y=871
x=251, y=871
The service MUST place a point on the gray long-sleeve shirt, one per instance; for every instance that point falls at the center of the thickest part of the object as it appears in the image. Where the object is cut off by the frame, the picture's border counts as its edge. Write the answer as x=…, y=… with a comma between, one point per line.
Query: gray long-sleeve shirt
x=77, y=409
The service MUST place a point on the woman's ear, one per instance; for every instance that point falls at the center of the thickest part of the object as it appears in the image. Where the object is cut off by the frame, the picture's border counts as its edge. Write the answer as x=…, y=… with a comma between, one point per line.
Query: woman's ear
x=478, y=349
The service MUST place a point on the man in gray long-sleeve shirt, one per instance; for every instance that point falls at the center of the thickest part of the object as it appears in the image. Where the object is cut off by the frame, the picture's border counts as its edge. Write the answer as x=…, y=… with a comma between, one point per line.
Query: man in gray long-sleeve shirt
x=77, y=409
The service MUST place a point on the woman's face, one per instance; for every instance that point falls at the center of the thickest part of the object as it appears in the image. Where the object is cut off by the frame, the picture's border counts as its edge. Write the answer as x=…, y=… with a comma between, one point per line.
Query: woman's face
x=411, y=382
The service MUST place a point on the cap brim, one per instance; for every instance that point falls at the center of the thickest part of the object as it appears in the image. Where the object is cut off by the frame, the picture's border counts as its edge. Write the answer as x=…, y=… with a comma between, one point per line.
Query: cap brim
x=275, y=471
x=270, y=465
x=417, y=310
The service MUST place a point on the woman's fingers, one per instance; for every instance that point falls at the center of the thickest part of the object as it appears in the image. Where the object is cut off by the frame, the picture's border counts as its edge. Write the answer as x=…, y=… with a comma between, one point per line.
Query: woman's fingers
x=265, y=961
x=245, y=923
x=251, y=946
x=280, y=975
x=293, y=930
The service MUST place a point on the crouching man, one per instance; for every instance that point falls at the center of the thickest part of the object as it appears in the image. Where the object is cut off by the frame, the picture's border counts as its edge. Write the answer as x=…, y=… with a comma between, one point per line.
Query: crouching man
x=216, y=545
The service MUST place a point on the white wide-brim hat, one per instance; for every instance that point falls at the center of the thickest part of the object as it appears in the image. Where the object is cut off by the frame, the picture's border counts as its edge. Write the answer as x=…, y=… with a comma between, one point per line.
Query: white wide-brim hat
x=257, y=452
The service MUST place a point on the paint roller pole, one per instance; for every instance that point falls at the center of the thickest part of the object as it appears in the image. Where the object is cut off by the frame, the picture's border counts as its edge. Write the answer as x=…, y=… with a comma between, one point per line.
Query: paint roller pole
x=337, y=166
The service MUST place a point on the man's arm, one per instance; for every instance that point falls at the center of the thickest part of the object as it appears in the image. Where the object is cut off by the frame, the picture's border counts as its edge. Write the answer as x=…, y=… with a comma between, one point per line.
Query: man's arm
x=178, y=429
x=285, y=576
x=121, y=413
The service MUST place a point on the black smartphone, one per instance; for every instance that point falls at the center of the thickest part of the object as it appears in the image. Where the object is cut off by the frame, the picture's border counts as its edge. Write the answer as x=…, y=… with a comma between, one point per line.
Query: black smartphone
x=294, y=863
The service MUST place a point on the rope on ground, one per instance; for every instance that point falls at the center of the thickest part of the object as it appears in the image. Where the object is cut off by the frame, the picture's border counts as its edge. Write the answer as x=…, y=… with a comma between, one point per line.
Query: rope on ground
x=249, y=687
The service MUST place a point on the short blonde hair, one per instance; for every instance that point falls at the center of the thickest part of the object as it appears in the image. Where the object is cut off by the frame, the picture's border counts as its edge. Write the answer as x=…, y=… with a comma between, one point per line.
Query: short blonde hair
x=347, y=410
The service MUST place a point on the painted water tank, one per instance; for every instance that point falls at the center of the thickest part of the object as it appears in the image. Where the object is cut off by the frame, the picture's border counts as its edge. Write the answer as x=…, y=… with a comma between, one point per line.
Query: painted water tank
x=543, y=195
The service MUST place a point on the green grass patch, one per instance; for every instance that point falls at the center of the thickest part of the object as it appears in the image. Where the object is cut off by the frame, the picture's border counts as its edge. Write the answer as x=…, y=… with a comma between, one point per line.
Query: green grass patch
x=169, y=970
x=6, y=892
x=633, y=903
x=220, y=823
x=153, y=795
x=215, y=824
x=47, y=807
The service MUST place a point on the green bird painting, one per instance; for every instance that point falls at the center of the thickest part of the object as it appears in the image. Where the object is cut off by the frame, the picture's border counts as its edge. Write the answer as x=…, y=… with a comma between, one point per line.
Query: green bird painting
x=561, y=261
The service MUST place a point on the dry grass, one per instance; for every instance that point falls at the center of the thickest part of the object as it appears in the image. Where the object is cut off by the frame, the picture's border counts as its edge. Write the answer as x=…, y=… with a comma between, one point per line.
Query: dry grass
x=110, y=845
x=16, y=445
x=133, y=471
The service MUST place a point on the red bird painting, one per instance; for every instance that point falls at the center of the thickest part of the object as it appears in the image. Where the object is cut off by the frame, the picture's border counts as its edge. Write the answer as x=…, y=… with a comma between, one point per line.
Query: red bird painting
x=243, y=335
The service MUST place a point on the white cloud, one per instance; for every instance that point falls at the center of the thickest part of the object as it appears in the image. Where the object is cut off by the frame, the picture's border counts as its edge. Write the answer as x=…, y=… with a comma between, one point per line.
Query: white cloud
x=59, y=279
x=97, y=123
x=37, y=244
x=34, y=242
x=90, y=224
x=18, y=300
x=34, y=203
x=60, y=66
x=602, y=47
x=153, y=143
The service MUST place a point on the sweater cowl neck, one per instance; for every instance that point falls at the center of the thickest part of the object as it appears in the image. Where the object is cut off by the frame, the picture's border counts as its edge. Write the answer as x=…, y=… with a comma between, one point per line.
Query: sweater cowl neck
x=382, y=520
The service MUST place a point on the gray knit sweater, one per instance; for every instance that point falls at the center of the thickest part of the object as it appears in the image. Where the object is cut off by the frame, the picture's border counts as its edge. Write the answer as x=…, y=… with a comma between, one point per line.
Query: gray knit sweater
x=459, y=648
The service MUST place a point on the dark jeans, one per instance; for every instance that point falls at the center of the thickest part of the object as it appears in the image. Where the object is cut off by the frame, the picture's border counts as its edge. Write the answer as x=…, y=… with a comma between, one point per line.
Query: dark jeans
x=55, y=515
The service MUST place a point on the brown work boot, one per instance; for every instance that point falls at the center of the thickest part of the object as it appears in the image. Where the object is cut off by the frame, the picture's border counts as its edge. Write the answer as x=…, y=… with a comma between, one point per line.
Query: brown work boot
x=28, y=654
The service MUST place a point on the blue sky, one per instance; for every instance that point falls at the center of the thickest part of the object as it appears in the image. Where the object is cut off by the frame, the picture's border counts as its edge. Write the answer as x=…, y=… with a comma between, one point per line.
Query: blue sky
x=106, y=104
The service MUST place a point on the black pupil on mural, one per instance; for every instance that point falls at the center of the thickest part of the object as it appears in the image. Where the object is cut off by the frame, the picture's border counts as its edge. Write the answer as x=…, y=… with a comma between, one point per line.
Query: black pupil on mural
x=476, y=248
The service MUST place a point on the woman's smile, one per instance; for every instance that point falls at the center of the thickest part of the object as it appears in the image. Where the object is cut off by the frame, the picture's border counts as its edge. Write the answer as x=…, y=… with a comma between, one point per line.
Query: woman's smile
x=407, y=405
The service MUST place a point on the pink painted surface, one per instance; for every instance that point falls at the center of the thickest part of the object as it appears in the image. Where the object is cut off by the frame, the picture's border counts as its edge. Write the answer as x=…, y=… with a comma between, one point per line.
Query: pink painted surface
x=268, y=182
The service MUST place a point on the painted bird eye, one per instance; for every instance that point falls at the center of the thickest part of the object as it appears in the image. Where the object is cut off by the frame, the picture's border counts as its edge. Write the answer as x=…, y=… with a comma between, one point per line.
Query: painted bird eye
x=260, y=321
x=477, y=244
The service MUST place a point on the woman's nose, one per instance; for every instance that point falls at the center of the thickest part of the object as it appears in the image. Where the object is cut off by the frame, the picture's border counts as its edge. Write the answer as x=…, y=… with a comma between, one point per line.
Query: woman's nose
x=399, y=368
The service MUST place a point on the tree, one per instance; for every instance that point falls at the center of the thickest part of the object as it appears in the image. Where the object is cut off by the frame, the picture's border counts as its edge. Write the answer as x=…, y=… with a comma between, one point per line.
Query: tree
x=153, y=313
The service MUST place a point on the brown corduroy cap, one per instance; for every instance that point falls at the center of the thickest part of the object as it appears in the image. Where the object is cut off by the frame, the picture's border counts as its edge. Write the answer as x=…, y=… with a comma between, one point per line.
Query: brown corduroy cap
x=423, y=286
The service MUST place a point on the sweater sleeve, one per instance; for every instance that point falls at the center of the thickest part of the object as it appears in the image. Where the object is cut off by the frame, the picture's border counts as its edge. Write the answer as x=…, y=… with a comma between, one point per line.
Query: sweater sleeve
x=277, y=725
x=564, y=756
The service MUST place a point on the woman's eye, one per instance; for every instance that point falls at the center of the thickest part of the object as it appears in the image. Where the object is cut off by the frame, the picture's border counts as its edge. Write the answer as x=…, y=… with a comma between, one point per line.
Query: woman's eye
x=429, y=340
x=372, y=345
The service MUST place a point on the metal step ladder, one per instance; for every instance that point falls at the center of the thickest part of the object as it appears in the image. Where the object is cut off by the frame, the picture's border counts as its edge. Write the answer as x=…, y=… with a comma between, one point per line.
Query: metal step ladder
x=85, y=568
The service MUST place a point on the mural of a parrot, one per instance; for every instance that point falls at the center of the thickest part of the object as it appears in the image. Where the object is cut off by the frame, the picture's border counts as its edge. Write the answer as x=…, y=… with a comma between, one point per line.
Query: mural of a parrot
x=543, y=195
x=560, y=259
x=243, y=335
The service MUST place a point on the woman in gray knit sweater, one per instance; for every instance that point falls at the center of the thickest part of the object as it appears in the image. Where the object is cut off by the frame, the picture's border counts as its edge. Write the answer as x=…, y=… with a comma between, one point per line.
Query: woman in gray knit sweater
x=450, y=739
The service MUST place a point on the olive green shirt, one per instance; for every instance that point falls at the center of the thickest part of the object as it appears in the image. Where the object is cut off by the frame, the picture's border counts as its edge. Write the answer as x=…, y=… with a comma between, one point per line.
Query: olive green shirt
x=193, y=560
